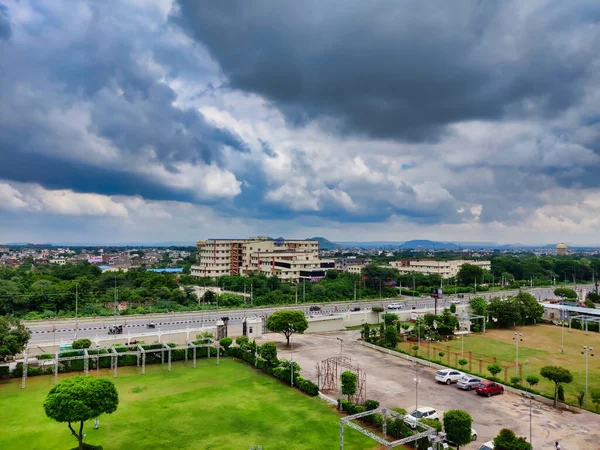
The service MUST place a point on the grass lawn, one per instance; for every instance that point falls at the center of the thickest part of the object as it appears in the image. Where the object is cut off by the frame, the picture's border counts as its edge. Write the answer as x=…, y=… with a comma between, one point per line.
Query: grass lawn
x=230, y=406
x=541, y=346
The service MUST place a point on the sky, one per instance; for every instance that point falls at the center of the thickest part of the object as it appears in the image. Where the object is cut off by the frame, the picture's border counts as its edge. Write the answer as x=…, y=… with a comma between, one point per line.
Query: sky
x=151, y=121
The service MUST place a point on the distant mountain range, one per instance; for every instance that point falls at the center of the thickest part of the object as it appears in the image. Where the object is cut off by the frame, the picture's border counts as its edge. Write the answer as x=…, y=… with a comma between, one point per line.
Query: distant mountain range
x=455, y=245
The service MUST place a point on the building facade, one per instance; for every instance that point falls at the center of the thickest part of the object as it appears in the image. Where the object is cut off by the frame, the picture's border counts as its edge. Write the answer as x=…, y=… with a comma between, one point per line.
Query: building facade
x=290, y=260
x=445, y=269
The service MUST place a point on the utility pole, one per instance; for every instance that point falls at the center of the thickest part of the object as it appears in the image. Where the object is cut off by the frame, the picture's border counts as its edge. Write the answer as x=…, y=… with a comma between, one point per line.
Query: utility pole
x=76, y=319
x=296, y=293
x=291, y=357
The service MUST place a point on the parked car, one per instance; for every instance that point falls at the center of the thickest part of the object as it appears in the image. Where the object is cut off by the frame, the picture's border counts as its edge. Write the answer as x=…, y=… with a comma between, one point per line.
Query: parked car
x=448, y=376
x=395, y=306
x=489, y=445
x=489, y=388
x=425, y=412
x=468, y=382
x=315, y=308
x=473, y=437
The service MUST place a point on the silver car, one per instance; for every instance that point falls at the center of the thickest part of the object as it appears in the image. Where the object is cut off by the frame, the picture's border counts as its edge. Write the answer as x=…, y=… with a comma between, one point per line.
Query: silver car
x=468, y=382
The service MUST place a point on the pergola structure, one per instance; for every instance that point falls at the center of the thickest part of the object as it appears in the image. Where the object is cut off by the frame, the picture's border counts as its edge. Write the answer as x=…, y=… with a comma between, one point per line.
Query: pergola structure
x=585, y=319
x=328, y=375
x=471, y=317
x=136, y=350
x=382, y=440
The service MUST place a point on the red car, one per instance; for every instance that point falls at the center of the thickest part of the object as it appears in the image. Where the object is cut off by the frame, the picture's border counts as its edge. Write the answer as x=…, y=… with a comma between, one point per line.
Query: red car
x=489, y=388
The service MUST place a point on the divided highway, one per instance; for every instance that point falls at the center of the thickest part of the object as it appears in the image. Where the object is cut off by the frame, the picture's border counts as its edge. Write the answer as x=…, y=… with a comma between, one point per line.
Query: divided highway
x=70, y=329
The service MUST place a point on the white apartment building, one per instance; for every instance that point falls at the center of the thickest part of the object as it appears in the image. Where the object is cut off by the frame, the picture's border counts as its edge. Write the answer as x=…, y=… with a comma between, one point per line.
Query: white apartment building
x=445, y=269
x=59, y=261
x=290, y=260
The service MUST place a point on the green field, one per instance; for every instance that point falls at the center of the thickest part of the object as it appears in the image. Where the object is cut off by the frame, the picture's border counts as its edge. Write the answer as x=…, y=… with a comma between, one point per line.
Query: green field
x=230, y=406
x=541, y=346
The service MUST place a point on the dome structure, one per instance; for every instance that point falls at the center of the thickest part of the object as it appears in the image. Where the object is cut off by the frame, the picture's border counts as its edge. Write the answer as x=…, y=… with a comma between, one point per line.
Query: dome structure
x=561, y=249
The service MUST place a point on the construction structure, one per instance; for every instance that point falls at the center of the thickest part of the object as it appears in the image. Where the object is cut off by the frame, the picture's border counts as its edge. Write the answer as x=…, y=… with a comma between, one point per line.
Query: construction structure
x=445, y=269
x=330, y=370
x=291, y=260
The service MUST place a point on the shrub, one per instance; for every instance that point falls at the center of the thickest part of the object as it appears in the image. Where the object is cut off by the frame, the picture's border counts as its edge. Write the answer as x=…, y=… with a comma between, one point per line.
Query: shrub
x=46, y=356
x=532, y=380
x=81, y=343
x=226, y=342
x=307, y=386
x=515, y=380
x=391, y=337
x=371, y=405
x=377, y=309
x=348, y=383
x=242, y=341
x=441, y=354
x=463, y=362
x=494, y=369
x=268, y=351
x=561, y=393
x=4, y=371
x=415, y=349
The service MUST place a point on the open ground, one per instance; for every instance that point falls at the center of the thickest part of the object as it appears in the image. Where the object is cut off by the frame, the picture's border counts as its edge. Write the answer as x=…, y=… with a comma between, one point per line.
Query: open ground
x=541, y=346
x=389, y=379
x=230, y=406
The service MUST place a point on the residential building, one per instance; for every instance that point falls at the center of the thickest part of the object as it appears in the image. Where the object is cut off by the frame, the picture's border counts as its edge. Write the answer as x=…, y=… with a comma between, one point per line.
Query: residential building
x=290, y=259
x=445, y=269
x=344, y=264
x=59, y=261
x=356, y=268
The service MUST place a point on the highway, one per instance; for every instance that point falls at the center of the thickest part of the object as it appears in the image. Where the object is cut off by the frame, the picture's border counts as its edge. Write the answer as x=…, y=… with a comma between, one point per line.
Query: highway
x=70, y=329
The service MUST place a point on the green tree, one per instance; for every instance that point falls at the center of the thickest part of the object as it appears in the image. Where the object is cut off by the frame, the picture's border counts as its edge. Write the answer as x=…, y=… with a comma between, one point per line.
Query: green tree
x=532, y=380
x=506, y=312
x=558, y=375
x=494, y=369
x=453, y=308
x=463, y=362
x=530, y=310
x=268, y=351
x=242, y=341
x=390, y=337
x=13, y=337
x=81, y=343
x=389, y=319
x=593, y=297
x=595, y=396
x=226, y=343
x=565, y=293
x=78, y=399
x=287, y=322
x=468, y=274
x=348, y=383
x=457, y=425
x=507, y=440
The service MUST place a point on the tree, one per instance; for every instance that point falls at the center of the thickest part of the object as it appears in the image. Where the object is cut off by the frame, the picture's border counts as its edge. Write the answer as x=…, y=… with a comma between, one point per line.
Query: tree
x=287, y=322
x=506, y=312
x=415, y=348
x=457, y=425
x=390, y=337
x=13, y=337
x=593, y=297
x=507, y=440
x=468, y=274
x=226, y=343
x=242, y=341
x=453, y=308
x=463, y=362
x=532, y=380
x=530, y=310
x=268, y=351
x=78, y=399
x=595, y=395
x=478, y=306
x=389, y=319
x=494, y=369
x=348, y=383
x=515, y=380
x=565, y=293
x=558, y=375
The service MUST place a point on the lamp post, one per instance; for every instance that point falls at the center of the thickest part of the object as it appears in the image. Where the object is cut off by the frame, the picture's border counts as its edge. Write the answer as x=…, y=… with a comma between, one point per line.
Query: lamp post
x=417, y=381
x=341, y=347
x=291, y=357
x=587, y=351
x=518, y=337
x=562, y=326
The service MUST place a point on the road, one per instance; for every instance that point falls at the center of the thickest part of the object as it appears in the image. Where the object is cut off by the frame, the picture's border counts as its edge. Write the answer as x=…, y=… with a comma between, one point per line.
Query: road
x=70, y=329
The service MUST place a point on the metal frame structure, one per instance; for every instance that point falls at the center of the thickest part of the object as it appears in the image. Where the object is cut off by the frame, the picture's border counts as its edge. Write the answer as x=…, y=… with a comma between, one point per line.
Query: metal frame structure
x=383, y=441
x=465, y=314
x=584, y=319
x=328, y=375
x=140, y=352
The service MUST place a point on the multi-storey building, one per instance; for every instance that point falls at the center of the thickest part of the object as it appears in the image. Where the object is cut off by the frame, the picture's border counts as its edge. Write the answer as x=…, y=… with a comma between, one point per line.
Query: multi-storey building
x=291, y=260
x=445, y=269
x=345, y=264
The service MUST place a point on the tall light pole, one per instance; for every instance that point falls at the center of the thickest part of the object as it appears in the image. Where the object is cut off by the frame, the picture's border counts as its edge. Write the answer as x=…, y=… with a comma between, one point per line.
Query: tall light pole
x=518, y=337
x=587, y=351
x=291, y=357
x=76, y=311
x=417, y=381
x=562, y=325
x=341, y=347
x=296, y=293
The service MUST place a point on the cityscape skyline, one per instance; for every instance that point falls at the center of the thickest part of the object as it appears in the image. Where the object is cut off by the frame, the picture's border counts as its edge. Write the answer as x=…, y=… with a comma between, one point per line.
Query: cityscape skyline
x=159, y=121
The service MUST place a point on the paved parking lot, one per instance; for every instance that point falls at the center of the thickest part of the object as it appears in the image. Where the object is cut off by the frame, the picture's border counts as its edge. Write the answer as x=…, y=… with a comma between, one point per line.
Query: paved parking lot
x=390, y=381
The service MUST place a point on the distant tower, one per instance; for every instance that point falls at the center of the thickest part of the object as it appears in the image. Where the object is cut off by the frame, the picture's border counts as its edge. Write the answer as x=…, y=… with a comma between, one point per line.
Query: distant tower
x=561, y=249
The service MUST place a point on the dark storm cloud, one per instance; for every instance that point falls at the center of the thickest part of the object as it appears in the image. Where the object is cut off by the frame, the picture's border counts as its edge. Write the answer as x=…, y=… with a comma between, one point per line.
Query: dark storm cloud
x=5, y=29
x=401, y=70
x=68, y=95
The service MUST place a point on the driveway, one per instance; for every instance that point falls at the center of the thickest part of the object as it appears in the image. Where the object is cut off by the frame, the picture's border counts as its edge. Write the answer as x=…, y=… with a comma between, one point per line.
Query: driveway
x=389, y=380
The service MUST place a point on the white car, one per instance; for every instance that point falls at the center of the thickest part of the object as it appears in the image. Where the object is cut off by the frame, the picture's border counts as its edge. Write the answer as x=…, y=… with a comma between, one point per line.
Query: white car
x=425, y=412
x=455, y=302
x=468, y=382
x=473, y=437
x=489, y=445
x=448, y=376
x=395, y=306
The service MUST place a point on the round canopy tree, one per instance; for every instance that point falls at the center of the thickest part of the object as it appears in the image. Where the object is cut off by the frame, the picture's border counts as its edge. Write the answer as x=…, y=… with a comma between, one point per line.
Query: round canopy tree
x=558, y=375
x=457, y=425
x=287, y=322
x=13, y=337
x=79, y=399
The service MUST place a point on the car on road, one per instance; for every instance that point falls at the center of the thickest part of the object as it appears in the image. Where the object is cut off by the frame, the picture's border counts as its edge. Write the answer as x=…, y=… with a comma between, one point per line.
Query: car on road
x=315, y=308
x=448, y=376
x=395, y=306
x=425, y=412
x=455, y=301
x=356, y=308
x=468, y=382
x=489, y=445
x=489, y=388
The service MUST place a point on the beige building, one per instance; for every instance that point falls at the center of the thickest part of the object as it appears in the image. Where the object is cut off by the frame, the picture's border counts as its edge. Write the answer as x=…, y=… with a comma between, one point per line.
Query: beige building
x=445, y=269
x=290, y=260
x=561, y=249
x=356, y=268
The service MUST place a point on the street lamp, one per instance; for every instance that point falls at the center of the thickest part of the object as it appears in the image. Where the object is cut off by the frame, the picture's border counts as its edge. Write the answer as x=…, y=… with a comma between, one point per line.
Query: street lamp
x=587, y=351
x=417, y=380
x=518, y=337
x=341, y=346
